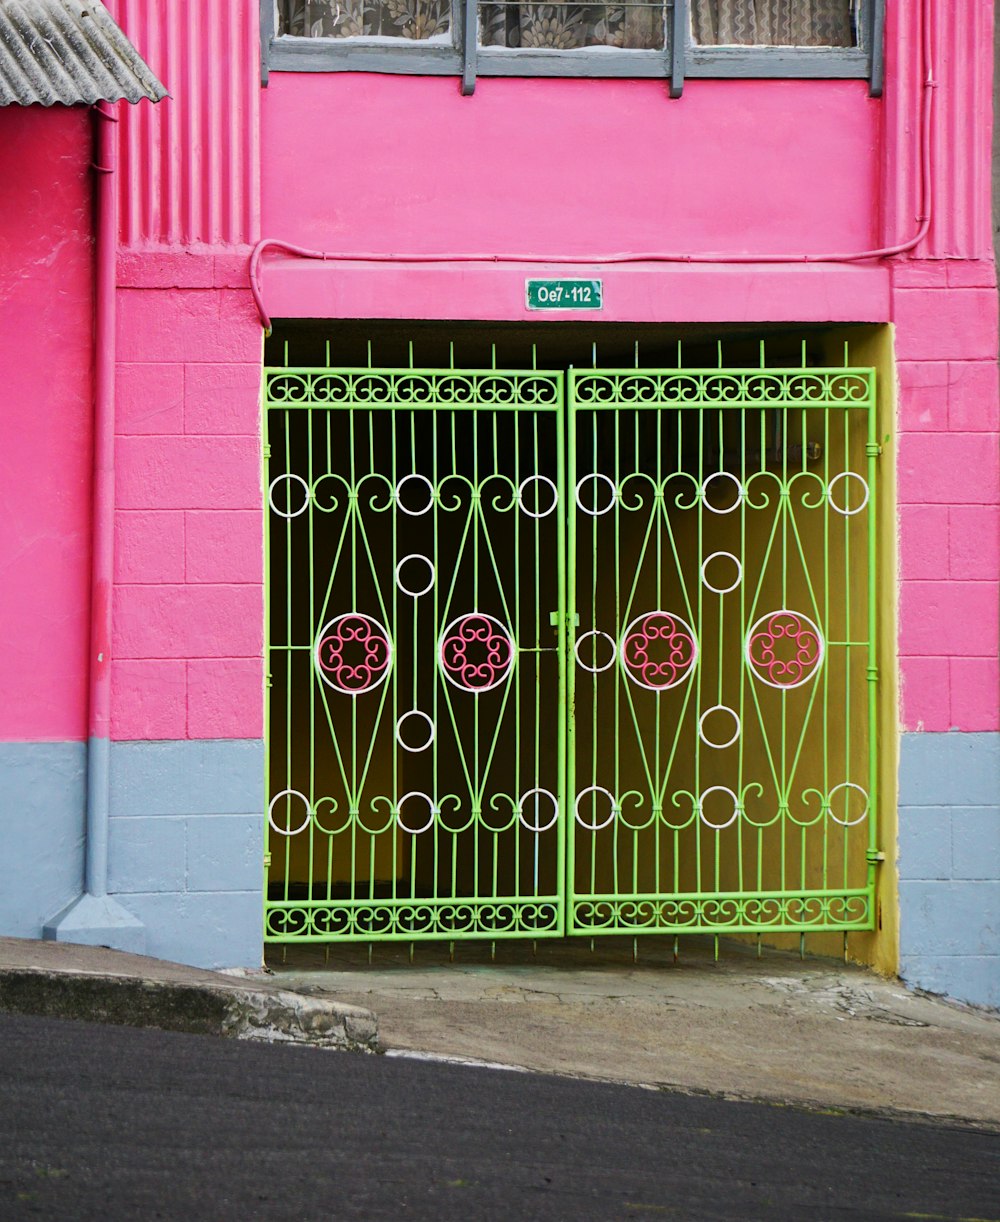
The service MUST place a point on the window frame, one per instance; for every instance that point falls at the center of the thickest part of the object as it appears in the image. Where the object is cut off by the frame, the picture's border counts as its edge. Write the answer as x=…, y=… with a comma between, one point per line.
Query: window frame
x=683, y=58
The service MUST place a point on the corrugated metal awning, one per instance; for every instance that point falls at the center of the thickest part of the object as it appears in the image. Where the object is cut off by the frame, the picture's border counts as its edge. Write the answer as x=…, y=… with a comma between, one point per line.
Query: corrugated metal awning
x=68, y=51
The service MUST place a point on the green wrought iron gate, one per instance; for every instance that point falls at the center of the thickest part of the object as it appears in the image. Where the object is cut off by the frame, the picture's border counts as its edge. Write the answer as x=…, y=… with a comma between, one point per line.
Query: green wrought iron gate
x=570, y=653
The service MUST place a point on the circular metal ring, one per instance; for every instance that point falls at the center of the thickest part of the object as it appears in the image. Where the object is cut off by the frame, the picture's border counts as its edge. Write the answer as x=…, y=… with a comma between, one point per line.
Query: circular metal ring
x=399, y=730
x=270, y=495
x=847, y=513
x=427, y=587
x=593, y=827
x=270, y=812
x=500, y=671
x=718, y=827
x=542, y=479
x=397, y=494
x=380, y=672
x=537, y=829
x=847, y=822
x=721, y=589
x=626, y=666
x=414, y=793
x=719, y=708
x=821, y=646
x=596, y=513
x=741, y=491
x=595, y=670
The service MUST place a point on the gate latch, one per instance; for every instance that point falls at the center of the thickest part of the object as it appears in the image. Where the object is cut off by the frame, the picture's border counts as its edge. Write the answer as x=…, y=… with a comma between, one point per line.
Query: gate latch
x=572, y=621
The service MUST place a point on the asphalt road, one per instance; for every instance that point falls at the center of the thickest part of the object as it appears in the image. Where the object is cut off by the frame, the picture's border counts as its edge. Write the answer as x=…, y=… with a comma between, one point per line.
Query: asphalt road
x=114, y=1123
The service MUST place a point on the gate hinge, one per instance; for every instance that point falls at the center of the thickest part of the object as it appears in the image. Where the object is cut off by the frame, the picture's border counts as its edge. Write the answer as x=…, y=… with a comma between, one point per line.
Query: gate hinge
x=267, y=451
x=875, y=857
x=873, y=449
x=267, y=680
x=872, y=673
x=267, y=860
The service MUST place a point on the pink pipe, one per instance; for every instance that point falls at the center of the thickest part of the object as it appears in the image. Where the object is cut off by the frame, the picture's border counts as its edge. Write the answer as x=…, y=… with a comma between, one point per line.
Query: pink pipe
x=883, y=252
x=103, y=514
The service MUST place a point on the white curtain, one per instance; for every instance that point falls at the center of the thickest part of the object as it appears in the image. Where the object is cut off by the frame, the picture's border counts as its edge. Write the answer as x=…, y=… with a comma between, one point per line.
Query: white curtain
x=415, y=19
x=560, y=25
x=775, y=23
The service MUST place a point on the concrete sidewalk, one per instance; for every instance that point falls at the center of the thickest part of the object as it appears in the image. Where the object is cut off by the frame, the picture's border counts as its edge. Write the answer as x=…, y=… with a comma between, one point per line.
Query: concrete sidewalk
x=59, y=980
x=777, y=1028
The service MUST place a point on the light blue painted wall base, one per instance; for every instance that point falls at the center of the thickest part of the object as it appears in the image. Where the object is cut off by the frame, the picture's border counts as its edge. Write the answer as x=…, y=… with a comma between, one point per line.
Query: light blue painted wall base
x=42, y=795
x=185, y=853
x=949, y=865
x=95, y=920
x=186, y=847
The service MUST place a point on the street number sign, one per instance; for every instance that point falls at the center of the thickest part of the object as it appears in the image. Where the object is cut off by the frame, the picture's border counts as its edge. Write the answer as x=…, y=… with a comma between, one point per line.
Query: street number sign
x=564, y=294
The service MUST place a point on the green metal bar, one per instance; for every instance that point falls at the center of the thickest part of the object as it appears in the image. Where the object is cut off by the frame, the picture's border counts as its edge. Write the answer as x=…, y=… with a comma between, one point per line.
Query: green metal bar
x=568, y=500
x=565, y=619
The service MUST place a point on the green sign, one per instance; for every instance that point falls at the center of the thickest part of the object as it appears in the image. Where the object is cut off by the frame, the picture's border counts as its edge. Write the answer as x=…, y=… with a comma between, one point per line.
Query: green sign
x=564, y=294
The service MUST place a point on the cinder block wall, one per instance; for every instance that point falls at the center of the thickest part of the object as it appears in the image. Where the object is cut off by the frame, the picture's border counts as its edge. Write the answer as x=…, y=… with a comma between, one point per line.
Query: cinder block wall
x=949, y=628
x=949, y=853
x=187, y=760
x=187, y=763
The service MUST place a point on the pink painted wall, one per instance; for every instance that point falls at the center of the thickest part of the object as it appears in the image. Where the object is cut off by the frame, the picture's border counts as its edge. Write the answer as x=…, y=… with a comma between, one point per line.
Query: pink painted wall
x=962, y=41
x=188, y=612
x=949, y=495
x=556, y=168
x=945, y=310
x=360, y=163
x=190, y=164
x=563, y=167
x=45, y=360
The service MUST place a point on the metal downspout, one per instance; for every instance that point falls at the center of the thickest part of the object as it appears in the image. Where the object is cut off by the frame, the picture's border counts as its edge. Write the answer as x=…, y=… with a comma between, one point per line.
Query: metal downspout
x=95, y=918
x=103, y=515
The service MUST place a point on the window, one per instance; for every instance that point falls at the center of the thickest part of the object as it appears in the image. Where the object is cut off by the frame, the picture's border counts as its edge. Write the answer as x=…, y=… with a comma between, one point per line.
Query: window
x=775, y=23
x=623, y=24
x=416, y=20
x=612, y=38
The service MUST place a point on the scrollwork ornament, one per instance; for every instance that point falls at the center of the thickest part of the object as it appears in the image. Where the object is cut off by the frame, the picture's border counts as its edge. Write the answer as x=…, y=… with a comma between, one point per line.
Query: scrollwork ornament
x=678, y=800
x=784, y=649
x=498, y=814
x=633, y=798
x=319, y=813
x=476, y=652
x=286, y=387
x=658, y=650
x=812, y=492
x=387, y=803
x=329, y=499
x=353, y=653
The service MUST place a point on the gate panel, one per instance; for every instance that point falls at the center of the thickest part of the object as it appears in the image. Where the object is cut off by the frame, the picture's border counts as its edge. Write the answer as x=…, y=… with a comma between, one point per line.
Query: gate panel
x=415, y=643
x=722, y=754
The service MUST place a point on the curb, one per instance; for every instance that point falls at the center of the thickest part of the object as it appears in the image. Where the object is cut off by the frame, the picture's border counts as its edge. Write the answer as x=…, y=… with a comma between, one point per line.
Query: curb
x=268, y=1015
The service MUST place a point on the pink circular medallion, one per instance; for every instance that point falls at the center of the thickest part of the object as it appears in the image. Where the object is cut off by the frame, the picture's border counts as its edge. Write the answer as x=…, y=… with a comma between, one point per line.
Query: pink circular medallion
x=477, y=652
x=353, y=653
x=784, y=648
x=658, y=650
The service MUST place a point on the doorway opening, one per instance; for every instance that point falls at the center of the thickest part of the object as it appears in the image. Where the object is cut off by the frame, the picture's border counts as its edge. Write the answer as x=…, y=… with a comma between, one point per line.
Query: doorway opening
x=569, y=637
